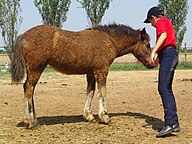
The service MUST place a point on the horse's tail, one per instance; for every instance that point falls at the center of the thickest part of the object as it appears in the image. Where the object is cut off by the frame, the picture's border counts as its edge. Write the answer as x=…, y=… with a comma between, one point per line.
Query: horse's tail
x=17, y=61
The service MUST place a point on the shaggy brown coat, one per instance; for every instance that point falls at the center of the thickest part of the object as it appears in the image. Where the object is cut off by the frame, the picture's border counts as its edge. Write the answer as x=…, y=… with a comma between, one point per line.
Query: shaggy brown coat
x=89, y=52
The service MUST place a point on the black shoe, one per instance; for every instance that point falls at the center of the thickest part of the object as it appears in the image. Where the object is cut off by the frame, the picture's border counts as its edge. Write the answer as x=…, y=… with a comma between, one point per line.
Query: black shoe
x=168, y=129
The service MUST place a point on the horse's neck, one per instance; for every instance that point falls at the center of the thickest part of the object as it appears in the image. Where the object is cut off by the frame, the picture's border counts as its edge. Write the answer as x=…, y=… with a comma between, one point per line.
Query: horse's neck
x=126, y=47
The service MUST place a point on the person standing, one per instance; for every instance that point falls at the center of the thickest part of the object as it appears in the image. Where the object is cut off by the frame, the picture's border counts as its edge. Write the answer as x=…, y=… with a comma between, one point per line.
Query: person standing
x=165, y=49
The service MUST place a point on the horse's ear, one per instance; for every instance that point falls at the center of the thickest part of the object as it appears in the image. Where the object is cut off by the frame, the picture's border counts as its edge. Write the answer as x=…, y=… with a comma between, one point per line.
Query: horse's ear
x=143, y=33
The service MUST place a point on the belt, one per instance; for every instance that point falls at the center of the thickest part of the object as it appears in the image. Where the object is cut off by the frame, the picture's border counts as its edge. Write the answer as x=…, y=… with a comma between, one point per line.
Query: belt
x=169, y=47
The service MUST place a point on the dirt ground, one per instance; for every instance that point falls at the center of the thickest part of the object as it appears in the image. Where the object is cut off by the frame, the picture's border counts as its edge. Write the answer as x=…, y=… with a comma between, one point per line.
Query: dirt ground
x=133, y=104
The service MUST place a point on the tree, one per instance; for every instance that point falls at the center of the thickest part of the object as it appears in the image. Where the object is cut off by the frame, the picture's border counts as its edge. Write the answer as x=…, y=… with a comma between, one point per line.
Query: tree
x=53, y=12
x=95, y=10
x=9, y=22
x=176, y=11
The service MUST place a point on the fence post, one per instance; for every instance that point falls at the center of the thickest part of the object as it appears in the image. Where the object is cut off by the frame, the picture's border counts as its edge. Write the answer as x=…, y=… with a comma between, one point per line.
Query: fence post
x=185, y=53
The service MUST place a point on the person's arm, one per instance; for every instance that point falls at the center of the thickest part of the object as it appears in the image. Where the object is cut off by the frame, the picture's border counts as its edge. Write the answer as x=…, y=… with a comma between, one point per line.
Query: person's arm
x=159, y=42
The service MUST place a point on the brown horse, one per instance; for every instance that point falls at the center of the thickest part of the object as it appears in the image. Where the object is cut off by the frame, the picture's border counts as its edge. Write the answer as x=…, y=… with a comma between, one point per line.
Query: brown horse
x=89, y=52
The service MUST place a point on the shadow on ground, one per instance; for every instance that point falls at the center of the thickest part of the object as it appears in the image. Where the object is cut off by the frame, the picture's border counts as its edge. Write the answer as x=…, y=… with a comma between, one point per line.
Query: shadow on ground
x=52, y=120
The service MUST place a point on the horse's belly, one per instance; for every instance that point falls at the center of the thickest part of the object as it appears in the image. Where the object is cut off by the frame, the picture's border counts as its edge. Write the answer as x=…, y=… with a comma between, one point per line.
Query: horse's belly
x=66, y=69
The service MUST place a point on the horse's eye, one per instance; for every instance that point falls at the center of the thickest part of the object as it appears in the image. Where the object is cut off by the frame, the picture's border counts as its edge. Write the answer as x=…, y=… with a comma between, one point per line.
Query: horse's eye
x=148, y=46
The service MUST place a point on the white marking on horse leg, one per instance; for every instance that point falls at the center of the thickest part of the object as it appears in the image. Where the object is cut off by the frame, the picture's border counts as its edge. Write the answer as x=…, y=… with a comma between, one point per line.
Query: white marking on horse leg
x=89, y=98
x=102, y=106
x=29, y=108
x=103, y=116
x=88, y=105
x=30, y=116
x=26, y=109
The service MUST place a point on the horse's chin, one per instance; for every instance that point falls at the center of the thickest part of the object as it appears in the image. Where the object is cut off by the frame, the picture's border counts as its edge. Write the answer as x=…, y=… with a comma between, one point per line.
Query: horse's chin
x=152, y=65
x=149, y=66
x=155, y=63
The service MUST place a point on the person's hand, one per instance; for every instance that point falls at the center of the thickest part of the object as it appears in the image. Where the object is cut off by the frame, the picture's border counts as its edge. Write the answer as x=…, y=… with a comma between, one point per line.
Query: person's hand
x=153, y=57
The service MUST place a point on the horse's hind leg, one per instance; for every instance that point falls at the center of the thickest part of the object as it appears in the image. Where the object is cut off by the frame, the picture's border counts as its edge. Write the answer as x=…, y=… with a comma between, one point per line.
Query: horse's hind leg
x=29, y=87
x=90, y=93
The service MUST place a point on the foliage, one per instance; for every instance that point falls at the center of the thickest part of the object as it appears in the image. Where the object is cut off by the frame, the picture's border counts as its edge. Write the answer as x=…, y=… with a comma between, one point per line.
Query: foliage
x=95, y=10
x=10, y=22
x=176, y=11
x=53, y=12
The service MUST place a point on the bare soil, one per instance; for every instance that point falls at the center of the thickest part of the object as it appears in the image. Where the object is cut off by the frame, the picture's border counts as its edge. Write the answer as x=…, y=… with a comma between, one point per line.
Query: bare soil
x=133, y=104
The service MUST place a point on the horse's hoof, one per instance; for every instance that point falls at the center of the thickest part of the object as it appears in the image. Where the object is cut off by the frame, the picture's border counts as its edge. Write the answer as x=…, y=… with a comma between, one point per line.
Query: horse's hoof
x=30, y=125
x=104, y=119
x=90, y=118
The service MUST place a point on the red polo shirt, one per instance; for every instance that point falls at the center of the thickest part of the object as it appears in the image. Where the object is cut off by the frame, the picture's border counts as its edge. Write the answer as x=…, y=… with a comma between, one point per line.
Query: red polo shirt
x=163, y=24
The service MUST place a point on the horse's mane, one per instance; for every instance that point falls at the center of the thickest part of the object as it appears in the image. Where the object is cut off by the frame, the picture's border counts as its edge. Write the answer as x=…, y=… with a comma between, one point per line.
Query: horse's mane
x=118, y=29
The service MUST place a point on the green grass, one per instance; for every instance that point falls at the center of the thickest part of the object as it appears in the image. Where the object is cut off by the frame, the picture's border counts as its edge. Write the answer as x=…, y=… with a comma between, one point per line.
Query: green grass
x=7, y=73
x=4, y=75
x=184, y=66
x=127, y=67
x=140, y=67
x=113, y=67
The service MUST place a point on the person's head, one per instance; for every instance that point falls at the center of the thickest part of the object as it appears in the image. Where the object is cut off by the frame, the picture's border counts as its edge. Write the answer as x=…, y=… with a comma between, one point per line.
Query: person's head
x=153, y=14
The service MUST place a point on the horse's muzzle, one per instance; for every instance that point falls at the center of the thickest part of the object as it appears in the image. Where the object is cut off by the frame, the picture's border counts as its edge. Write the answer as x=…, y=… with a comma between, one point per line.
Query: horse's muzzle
x=149, y=66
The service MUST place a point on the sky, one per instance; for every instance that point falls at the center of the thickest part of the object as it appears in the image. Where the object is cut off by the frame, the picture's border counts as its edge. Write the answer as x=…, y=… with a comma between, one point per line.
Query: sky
x=128, y=12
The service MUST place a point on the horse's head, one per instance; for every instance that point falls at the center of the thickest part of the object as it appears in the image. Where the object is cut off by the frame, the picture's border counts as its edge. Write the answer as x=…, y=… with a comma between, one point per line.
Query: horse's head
x=142, y=49
x=129, y=40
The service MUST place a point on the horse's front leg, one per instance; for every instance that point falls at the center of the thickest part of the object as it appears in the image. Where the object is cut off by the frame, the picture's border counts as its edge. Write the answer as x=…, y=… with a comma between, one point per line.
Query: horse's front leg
x=90, y=93
x=102, y=92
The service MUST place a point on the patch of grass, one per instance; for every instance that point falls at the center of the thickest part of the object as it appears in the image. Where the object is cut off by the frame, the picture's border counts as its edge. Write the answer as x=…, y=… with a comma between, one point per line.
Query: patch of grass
x=184, y=66
x=140, y=67
x=5, y=74
x=127, y=67
x=113, y=67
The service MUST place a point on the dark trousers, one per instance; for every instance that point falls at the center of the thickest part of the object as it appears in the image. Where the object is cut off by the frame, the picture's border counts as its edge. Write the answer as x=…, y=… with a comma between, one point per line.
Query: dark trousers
x=168, y=61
